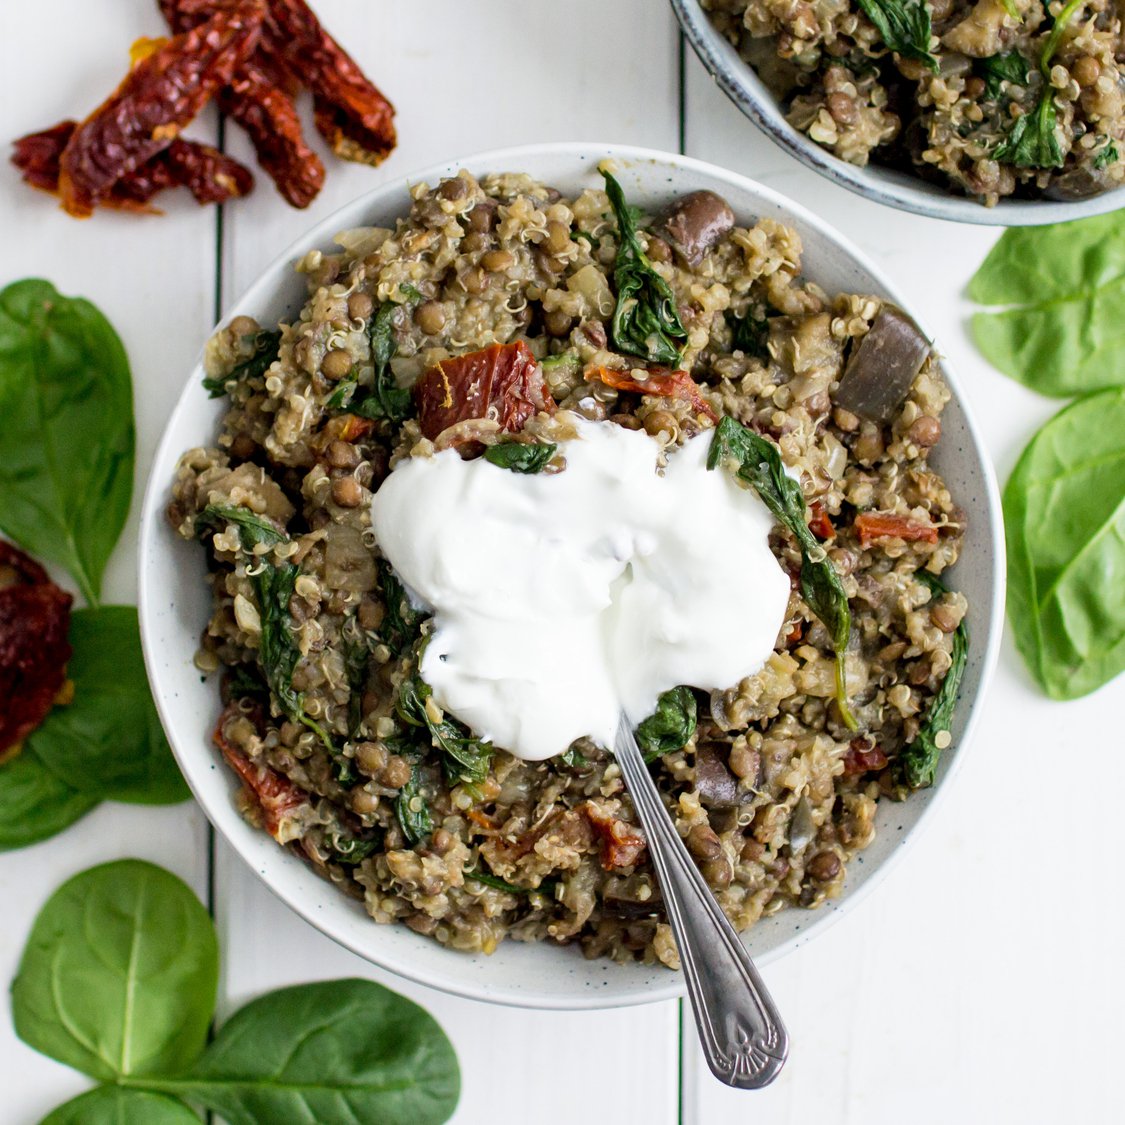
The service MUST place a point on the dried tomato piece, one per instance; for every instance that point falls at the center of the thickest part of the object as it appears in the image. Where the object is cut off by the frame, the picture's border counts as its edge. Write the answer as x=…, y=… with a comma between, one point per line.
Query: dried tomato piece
x=159, y=96
x=660, y=381
x=34, y=623
x=502, y=383
x=864, y=756
x=259, y=98
x=621, y=844
x=350, y=113
x=211, y=176
x=276, y=796
x=820, y=523
x=871, y=526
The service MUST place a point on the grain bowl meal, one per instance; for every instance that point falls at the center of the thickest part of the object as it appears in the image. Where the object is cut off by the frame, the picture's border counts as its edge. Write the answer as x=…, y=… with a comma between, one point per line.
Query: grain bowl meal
x=525, y=461
x=992, y=98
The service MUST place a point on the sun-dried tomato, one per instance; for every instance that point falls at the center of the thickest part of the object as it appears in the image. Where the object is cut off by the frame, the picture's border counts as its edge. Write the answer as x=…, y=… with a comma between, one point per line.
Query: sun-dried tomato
x=276, y=796
x=211, y=176
x=34, y=623
x=872, y=526
x=159, y=96
x=659, y=381
x=820, y=523
x=864, y=756
x=351, y=114
x=260, y=99
x=621, y=844
x=502, y=383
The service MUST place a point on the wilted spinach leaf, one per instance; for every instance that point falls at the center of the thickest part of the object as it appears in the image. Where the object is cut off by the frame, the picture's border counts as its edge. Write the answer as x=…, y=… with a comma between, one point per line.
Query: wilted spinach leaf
x=670, y=726
x=385, y=400
x=402, y=623
x=1008, y=67
x=757, y=462
x=919, y=758
x=67, y=440
x=645, y=321
x=521, y=457
x=904, y=26
x=411, y=809
x=1106, y=157
x=119, y=974
x=266, y=349
x=749, y=333
x=1063, y=330
x=464, y=757
x=108, y=741
x=1064, y=513
x=254, y=530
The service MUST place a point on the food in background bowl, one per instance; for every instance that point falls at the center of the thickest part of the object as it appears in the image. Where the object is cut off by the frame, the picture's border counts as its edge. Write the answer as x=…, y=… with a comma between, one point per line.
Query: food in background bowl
x=992, y=99
x=498, y=319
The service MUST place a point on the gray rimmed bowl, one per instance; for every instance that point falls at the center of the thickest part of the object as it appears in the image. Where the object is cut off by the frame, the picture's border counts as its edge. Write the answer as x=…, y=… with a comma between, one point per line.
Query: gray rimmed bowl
x=738, y=80
x=175, y=602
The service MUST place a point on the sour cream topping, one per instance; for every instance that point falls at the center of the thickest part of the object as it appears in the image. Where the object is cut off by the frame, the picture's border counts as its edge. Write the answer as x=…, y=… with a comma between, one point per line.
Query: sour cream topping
x=561, y=599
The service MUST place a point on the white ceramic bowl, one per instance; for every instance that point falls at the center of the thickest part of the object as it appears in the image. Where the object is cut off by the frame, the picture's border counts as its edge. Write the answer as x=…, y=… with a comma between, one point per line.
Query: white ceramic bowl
x=882, y=185
x=175, y=603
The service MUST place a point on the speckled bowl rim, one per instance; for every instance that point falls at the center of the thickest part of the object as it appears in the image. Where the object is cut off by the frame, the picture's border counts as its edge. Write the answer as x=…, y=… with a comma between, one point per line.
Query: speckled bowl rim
x=164, y=563
x=896, y=189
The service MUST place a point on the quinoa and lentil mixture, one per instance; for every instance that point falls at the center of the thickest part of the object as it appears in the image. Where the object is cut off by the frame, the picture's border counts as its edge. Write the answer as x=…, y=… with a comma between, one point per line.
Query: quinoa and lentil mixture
x=344, y=756
x=990, y=98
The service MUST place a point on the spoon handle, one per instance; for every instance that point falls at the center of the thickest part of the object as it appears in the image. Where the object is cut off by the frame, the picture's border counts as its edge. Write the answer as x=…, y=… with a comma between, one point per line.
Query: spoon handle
x=740, y=1029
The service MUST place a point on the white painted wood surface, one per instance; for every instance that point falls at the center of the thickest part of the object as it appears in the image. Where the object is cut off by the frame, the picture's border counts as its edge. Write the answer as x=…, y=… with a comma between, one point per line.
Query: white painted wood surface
x=981, y=983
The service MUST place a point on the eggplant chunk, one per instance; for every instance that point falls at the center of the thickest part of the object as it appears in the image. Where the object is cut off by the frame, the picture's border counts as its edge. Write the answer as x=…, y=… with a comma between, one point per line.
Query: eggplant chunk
x=716, y=785
x=883, y=367
x=697, y=221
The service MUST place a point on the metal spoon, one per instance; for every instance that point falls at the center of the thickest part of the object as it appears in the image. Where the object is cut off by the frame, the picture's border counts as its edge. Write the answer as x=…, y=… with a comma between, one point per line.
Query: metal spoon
x=740, y=1030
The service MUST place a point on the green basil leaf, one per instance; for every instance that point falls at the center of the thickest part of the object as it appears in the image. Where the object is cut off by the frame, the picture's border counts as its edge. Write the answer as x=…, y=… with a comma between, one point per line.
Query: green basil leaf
x=118, y=977
x=1008, y=67
x=521, y=457
x=1063, y=331
x=1064, y=514
x=67, y=442
x=919, y=758
x=35, y=804
x=670, y=726
x=904, y=26
x=757, y=462
x=115, y=1105
x=267, y=347
x=645, y=321
x=336, y=1053
x=108, y=742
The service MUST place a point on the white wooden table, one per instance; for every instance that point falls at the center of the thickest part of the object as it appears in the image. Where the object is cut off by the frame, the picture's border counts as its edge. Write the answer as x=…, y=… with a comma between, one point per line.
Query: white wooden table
x=982, y=982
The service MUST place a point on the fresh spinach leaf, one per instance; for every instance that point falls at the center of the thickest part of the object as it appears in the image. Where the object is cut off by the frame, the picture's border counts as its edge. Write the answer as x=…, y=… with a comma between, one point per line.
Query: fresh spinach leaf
x=749, y=334
x=411, y=809
x=116, y=1105
x=119, y=974
x=266, y=349
x=757, y=462
x=35, y=804
x=1008, y=67
x=1063, y=330
x=464, y=758
x=1064, y=514
x=521, y=457
x=1106, y=157
x=67, y=442
x=108, y=741
x=645, y=320
x=336, y=1053
x=670, y=726
x=904, y=26
x=919, y=758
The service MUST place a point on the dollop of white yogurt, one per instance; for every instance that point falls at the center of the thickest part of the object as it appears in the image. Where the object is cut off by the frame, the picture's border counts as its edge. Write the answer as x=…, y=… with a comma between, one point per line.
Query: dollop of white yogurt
x=560, y=599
